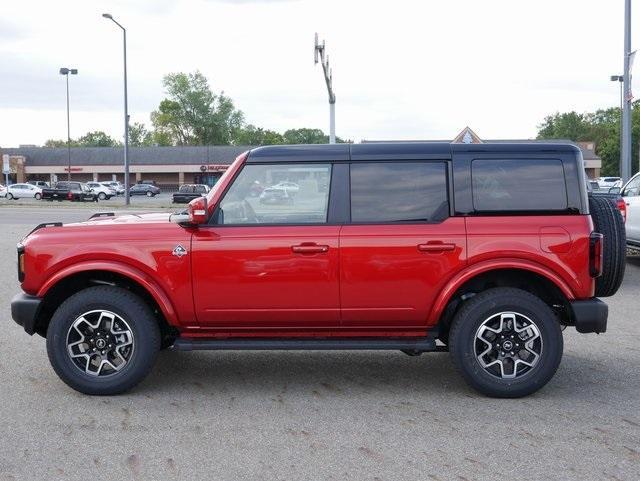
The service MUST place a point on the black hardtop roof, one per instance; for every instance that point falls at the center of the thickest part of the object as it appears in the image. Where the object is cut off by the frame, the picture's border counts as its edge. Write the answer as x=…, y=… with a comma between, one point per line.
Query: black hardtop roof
x=395, y=151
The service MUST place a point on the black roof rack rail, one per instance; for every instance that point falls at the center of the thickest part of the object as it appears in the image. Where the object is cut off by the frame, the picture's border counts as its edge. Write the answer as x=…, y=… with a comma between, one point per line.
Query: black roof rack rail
x=43, y=225
x=102, y=214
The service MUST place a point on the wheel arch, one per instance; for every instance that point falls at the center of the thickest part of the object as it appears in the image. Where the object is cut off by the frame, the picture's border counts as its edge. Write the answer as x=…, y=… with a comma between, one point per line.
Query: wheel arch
x=522, y=275
x=73, y=279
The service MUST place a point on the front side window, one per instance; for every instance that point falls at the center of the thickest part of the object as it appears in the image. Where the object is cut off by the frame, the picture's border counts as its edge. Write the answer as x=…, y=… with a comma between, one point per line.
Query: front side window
x=399, y=192
x=518, y=185
x=277, y=194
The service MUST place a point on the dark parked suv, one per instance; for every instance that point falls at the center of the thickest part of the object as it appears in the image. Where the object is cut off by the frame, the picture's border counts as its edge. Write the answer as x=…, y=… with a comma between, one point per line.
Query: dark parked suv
x=486, y=251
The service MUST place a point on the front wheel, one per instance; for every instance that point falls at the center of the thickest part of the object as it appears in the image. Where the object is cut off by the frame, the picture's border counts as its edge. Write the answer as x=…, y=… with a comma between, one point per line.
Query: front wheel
x=149, y=194
x=103, y=340
x=10, y=196
x=102, y=196
x=38, y=196
x=506, y=342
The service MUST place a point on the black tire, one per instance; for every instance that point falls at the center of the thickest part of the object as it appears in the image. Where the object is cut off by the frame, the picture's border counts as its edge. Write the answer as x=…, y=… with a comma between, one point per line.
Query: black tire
x=608, y=221
x=102, y=196
x=140, y=320
x=463, y=342
x=10, y=196
x=38, y=196
x=150, y=194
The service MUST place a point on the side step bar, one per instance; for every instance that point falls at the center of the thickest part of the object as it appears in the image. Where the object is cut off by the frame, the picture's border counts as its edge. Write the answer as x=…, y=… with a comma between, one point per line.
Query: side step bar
x=416, y=345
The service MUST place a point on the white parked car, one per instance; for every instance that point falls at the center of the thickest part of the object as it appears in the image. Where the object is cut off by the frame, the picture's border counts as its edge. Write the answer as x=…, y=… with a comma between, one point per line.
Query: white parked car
x=115, y=185
x=3, y=191
x=608, y=182
x=631, y=196
x=39, y=183
x=17, y=191
x=289, y=187
x=101, y=190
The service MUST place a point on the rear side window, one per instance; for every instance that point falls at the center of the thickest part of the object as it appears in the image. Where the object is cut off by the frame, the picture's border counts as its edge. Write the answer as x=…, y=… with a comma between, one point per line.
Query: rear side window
x=399, y=192
x=518, y=185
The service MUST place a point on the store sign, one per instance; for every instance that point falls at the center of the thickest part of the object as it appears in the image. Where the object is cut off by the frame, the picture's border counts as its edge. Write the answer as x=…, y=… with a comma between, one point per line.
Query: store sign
x=217, y=168
x=73, y=169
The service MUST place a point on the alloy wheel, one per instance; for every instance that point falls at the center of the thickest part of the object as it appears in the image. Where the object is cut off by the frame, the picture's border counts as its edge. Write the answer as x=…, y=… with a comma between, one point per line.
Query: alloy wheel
x=508, y=345
x=100, y=343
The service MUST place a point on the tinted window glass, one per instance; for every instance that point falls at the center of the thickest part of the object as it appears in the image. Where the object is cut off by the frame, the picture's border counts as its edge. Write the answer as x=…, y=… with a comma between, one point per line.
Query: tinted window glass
x=518, y=185
x=398, y=192
x=278, y=194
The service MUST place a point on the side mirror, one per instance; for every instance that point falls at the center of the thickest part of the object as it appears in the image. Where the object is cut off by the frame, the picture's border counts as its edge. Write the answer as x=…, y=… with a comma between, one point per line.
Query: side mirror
x=198, y=211
x=614, y=190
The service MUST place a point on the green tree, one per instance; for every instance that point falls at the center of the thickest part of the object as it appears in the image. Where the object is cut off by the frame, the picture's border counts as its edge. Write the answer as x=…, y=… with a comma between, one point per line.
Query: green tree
x=601, y=127
x=96, y=138
x=305, y=136
x=59, y=143
x=252, y=135
x=139, y=135
x=193, y=114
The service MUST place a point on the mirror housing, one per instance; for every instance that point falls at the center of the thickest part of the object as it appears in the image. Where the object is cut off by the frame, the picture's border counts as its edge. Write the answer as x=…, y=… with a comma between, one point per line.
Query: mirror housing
x=615, y=190
x=198, y=211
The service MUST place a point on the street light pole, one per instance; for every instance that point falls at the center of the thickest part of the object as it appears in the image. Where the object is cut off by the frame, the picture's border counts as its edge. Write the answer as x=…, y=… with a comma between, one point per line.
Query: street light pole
x=126, y=112
x=66, y=71
x=319, y=54
x=619, y=79
x=625, y=161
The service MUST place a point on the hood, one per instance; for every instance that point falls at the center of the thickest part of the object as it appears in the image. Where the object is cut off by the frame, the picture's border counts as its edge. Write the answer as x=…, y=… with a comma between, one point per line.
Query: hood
x=150, y=218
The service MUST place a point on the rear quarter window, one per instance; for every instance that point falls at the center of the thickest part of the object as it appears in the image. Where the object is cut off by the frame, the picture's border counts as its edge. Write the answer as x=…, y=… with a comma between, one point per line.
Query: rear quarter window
x=518, y=185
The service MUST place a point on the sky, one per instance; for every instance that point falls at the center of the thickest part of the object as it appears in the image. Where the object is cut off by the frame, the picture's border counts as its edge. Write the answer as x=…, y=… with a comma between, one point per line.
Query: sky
x=402, y=69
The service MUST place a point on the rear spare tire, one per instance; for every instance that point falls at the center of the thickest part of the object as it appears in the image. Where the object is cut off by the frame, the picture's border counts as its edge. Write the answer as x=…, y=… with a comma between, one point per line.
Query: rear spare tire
x=607, y=220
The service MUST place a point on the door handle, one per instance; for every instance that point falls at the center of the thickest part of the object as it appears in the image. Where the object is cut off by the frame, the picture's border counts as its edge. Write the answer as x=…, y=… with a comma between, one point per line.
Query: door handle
x=436, y=247
x=310, y=249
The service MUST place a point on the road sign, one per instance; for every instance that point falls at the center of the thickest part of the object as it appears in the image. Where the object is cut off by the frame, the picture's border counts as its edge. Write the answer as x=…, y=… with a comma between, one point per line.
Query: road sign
x=5, y=164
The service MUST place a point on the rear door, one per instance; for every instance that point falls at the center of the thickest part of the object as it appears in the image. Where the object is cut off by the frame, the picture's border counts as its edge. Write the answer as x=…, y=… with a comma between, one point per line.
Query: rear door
x=401, y=245
x=269, y=263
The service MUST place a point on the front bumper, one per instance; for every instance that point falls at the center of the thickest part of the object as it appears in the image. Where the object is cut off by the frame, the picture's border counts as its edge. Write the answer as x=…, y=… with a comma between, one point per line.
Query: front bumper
x=590, y=315
x=24, y=310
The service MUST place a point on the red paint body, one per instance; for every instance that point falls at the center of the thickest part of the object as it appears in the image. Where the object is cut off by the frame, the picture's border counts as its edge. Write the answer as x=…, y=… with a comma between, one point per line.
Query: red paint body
x=317, y=280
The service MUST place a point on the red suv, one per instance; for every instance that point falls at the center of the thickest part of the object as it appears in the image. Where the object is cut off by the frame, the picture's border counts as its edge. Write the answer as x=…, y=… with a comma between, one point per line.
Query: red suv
x=486, y=251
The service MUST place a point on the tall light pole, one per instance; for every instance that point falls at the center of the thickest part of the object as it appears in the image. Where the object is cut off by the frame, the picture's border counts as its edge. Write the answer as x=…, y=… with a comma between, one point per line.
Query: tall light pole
x=620, y=79
x=625, y=161
x=319, y=54
x=66, y=71
x=126, y=113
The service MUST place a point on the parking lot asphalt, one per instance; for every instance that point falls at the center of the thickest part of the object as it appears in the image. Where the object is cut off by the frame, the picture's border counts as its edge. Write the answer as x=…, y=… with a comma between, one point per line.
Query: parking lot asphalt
x=318, y=415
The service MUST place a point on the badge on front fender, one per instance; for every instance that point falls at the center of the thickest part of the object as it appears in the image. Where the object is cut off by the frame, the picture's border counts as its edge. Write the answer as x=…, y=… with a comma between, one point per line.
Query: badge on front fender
x=179, y=251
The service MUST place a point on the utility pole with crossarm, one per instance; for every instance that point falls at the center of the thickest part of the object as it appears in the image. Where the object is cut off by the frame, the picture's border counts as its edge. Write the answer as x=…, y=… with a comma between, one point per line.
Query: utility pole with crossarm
x=319, y=55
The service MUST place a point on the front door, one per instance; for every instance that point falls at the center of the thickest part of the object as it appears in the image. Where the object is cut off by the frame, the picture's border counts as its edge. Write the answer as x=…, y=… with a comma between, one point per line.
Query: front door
x=270, y=260
x=401, y=246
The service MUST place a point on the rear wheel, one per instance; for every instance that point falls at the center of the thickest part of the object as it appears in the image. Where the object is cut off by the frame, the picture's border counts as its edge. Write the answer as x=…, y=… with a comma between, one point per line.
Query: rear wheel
x=149, y=194
x=10, y=196
x=608, y=221
x=506, y=342
x=38, y=196
x=103, y=340
x=102, y=196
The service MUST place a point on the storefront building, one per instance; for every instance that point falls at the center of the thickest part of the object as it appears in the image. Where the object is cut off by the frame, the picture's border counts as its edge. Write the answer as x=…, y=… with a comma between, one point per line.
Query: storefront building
x=168, y=167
